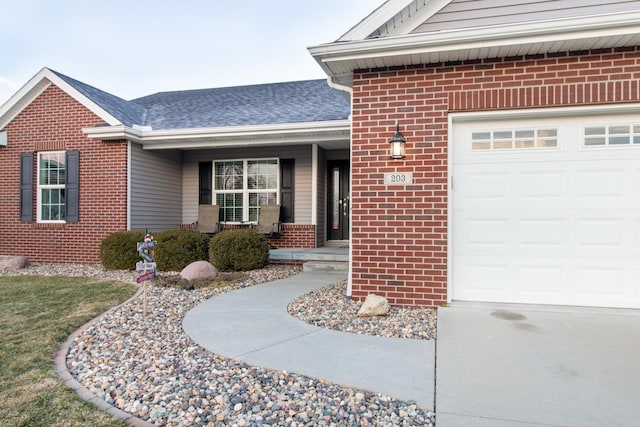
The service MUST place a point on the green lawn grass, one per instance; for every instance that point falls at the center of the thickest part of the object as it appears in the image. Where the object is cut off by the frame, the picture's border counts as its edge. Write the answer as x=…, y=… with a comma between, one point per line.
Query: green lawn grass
x=37, y=314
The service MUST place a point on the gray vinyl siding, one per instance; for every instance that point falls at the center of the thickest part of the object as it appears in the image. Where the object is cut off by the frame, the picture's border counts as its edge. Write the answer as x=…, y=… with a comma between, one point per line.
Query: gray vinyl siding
x=302, y=184
x=481, y=13
x=156, y=189
x=190, y=179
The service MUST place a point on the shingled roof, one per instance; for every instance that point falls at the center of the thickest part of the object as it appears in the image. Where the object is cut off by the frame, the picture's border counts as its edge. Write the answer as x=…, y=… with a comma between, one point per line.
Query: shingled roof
x=127, y=112
x=292, y=102
x=275, y=103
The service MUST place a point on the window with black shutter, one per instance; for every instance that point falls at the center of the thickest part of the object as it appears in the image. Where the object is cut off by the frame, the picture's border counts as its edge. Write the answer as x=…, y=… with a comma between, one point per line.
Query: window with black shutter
x=57, y=186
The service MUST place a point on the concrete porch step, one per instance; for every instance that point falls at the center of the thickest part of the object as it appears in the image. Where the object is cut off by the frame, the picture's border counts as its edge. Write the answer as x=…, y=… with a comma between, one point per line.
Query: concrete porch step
x=314, y=254
x=325, y=266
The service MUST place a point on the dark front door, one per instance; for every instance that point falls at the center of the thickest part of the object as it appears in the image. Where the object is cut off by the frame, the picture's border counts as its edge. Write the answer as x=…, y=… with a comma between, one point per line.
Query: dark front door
x=338, y=205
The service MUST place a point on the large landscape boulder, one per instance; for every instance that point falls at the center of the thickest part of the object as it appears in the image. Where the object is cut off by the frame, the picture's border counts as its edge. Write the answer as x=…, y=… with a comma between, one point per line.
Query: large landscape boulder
x=8, y=262
x=199, y=270
x=374, y=305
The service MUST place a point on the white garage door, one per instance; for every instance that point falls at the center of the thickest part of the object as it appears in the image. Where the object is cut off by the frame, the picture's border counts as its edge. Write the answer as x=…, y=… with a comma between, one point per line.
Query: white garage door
x=547, y=211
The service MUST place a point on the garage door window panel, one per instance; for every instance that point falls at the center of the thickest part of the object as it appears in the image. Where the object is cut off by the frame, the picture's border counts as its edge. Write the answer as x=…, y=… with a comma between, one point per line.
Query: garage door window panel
x=611, y=135
x=514, y=139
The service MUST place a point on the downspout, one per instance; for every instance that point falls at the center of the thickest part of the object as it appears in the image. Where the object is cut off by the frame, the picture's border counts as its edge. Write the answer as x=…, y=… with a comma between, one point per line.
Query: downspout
x=348, y=90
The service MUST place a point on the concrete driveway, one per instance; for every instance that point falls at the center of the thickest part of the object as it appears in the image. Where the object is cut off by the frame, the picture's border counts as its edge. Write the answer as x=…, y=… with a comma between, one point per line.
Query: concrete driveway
x=514, y=365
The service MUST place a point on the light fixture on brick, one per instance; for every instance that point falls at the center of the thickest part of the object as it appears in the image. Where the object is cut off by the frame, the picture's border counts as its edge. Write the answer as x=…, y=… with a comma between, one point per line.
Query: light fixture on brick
x=396, y=145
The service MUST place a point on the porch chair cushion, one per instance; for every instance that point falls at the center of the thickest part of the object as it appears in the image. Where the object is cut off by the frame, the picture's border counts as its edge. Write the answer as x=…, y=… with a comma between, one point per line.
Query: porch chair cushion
x=269, y=220
x=208, y=219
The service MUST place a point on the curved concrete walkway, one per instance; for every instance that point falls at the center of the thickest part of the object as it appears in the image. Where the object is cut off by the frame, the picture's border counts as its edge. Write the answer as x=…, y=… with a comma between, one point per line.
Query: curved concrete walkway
x=253, y=325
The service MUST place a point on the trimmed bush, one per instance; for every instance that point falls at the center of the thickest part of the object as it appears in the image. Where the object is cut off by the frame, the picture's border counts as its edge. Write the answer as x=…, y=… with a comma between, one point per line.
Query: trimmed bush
x=239, y=250
x=178, y=248
x=119, y=250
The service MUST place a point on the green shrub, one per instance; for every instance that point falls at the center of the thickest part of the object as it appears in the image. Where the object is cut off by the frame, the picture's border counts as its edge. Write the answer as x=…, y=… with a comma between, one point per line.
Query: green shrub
x=239, y=250
x=119, y=250
x=178, y=248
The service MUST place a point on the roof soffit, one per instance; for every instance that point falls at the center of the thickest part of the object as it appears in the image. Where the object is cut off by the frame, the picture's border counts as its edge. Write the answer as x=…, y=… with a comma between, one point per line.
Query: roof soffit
x=331, y=134
x=38, y=84
x=340, y=59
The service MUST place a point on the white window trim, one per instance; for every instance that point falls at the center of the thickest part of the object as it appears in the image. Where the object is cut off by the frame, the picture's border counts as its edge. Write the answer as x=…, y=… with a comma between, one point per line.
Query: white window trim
x=245, y=181
x=607, y=145
x=40, y=187
x=492, y=140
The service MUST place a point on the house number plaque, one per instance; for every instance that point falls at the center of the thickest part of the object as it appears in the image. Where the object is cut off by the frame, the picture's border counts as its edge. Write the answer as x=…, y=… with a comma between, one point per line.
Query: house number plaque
x=398, y=178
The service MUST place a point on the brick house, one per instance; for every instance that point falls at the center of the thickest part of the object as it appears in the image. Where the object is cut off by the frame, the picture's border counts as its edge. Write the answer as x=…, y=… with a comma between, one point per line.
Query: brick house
x=521, y=178
x=518, y=183
x=78, y=163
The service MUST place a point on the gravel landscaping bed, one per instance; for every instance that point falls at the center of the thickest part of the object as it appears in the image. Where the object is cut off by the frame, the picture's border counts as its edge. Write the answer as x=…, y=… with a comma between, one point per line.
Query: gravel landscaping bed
x=148, y=367
x=328, y=308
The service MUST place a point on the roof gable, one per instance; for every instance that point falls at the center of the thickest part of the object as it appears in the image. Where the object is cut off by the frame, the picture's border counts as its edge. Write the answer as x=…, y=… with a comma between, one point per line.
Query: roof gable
x=408, y=32
x=92, y=100
x=402, y=17
x=394, y=17
x=459, y=14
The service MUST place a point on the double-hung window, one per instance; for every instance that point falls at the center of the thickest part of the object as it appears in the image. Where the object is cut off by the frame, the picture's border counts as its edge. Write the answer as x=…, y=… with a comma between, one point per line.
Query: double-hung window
x=51, y=186
x=242, y=186
x=57, y=186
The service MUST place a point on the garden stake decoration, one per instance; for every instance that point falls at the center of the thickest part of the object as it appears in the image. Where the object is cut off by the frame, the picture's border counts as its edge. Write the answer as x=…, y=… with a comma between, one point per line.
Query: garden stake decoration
x=147, y=265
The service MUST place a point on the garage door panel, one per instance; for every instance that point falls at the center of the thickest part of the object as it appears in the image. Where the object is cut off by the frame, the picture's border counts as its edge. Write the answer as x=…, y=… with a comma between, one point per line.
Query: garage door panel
x=600, y=234
x=546, y=226
x=480, y=232
x=542, y=186
x=526, y=186
x=550, y=232
x=593, y=281
x=490, y=279
x=606, y=283
x=484, y=278
x=480, y=187
x=540, y=234
x=540, y=281
x=601, y=186
x=566, y=281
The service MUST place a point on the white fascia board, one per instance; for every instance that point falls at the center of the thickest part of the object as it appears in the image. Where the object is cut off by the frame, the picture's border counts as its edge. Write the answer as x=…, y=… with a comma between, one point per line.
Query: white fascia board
x=35, y=86
x=275, y=134
x=23, y=97
x=375, y=20
x=417, y=18
x=112, y=133
x=538, y=113
x=548, y=31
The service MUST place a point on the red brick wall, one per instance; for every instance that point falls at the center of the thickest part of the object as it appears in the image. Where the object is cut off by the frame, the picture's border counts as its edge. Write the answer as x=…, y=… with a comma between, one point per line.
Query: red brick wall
x=400, y=232
x=54, y=121
x=295, y=236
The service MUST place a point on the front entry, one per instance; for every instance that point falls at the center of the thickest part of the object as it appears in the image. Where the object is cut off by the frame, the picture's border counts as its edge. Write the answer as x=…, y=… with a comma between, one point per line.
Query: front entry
x=338, y=200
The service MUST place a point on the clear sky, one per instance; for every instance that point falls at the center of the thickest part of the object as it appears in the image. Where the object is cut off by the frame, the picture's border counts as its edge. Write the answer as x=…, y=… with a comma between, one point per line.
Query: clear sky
x=132, y=48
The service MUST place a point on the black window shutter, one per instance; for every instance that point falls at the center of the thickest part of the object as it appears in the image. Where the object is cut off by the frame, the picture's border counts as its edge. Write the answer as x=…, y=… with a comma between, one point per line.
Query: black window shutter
x=204, y=183
x=72, y=188
x=26, y=187
x=287, y=171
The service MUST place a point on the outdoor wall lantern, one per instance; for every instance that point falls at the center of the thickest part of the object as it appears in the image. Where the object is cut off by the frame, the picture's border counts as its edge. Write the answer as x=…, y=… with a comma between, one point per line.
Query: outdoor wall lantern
x=396, y=145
